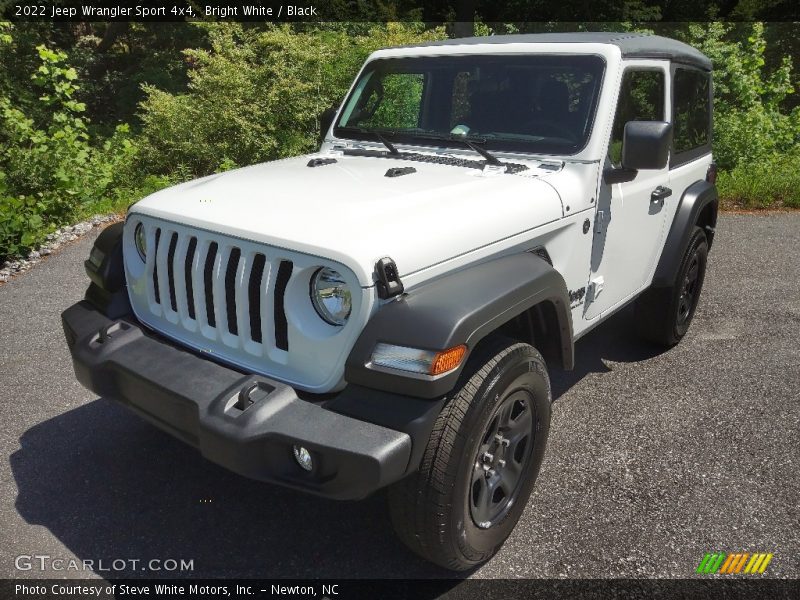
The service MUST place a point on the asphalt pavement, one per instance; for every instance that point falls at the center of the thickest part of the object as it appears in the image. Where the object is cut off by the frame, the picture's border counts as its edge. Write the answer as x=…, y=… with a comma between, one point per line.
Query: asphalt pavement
x=654, y=458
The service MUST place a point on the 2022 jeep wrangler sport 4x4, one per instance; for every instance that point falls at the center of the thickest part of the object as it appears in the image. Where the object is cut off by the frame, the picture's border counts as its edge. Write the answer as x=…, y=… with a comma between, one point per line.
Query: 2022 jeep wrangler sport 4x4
x=379, y=313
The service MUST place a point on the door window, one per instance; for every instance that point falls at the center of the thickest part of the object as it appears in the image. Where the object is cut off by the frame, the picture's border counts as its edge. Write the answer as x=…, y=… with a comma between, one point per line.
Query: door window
x=641, y=98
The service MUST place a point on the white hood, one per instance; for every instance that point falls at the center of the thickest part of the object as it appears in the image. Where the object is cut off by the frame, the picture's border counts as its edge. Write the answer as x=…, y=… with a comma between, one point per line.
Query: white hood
x=352, y=213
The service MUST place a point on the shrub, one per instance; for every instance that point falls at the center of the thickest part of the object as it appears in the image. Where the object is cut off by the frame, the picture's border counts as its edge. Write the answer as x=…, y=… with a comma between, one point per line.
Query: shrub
x=257, y=94
x=50, y=169
x=771, y=182
x=748, y=121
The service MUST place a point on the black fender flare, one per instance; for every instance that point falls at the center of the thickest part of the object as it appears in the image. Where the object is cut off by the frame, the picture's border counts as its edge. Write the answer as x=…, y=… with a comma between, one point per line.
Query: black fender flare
x=104, y=265
x=460, y=308
x=694, y=200
x=106, y=270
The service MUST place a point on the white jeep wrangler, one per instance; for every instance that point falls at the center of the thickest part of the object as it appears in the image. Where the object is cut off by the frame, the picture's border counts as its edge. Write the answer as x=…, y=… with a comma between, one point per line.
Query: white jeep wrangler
x=379, y=313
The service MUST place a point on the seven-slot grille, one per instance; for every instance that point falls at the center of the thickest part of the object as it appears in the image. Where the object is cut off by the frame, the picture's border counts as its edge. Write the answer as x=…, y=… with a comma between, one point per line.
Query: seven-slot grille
x=215, y=287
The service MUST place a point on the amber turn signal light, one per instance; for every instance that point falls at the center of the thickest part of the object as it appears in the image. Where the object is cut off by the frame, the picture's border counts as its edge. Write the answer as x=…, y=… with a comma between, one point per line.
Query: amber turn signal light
x=447, y=360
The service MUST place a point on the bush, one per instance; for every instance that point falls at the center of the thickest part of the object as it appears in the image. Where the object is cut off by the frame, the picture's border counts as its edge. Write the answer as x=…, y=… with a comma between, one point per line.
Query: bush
x=51, y=170
x=772, y=182
x=749, y=124
x=257, y=94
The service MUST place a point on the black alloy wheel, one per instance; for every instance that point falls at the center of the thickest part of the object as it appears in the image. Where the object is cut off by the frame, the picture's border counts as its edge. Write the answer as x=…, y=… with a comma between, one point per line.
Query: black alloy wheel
x=502, y=460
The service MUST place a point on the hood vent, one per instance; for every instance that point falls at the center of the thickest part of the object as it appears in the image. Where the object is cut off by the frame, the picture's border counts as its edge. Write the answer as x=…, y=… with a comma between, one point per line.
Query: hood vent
x=400, y=171
x=320, y=162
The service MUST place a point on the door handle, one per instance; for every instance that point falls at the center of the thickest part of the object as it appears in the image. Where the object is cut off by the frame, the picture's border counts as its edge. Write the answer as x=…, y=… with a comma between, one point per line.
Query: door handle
x=660, y=193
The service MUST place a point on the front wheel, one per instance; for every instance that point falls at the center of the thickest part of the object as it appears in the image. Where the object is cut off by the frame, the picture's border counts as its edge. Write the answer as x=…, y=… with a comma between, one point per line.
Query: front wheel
x=481, y=461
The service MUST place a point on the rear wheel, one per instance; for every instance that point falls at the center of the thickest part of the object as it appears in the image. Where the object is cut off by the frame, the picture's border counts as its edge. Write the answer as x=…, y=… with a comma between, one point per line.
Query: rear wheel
x=663, y=315
x=481, y=461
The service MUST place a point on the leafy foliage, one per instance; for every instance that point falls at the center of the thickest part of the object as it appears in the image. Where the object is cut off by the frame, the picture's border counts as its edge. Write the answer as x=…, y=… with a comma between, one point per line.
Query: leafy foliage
x=749, y=123
x=401, y=102
x=769, y=182
x=256, y=94
x=49, y=167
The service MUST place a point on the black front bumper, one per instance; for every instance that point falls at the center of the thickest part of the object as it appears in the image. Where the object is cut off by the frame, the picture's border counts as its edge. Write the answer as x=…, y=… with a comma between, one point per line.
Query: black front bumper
x=203, y=403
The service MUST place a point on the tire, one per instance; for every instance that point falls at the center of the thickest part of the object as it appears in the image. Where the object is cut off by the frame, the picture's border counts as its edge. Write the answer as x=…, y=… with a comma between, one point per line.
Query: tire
x=450, y=511
x=663, y=315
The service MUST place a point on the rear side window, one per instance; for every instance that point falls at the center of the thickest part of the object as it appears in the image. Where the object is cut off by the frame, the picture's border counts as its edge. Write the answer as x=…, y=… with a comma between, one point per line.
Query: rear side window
x=641, y=98
x=691, y=112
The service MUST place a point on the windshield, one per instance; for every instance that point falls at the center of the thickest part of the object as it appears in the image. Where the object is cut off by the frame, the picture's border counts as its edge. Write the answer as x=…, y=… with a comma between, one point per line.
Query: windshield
x=541, y=104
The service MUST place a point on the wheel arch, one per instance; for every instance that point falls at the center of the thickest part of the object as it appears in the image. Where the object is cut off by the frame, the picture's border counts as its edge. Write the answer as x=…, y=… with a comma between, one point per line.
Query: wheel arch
x=501, y=295
x=697, y=207
x=539, y=326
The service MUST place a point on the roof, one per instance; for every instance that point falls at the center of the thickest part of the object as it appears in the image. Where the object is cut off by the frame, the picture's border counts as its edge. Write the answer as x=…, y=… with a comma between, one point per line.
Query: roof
x=632, y=45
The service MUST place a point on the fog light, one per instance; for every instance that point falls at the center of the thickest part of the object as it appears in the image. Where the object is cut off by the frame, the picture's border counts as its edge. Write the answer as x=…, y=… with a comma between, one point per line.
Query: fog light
x=303, y=457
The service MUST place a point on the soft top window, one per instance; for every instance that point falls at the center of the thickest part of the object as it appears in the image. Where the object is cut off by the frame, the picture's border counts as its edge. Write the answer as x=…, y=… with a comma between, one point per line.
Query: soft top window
x=691, y=110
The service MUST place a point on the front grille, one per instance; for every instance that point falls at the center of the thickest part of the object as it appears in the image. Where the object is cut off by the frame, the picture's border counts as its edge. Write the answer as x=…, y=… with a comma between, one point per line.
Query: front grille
x=244, y=302
x=218, y=289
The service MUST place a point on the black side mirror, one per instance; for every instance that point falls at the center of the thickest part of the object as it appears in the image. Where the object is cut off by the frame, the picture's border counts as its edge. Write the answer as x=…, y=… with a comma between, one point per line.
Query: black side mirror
x=645, y=145
x=325, y=121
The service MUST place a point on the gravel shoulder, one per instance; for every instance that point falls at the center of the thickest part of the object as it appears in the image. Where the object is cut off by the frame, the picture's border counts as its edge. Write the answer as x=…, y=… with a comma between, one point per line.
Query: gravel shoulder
x=53, y=242
x=653, y=460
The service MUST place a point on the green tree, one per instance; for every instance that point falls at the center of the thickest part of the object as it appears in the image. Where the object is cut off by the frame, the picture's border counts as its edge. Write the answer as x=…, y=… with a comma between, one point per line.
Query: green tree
x=750, y=122
x=49, y=165
x=257, y=93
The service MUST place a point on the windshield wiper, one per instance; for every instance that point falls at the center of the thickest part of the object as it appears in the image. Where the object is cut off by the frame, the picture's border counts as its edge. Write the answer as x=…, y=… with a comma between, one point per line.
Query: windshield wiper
x=491, y=159
x=471, y=143
x=379, y=136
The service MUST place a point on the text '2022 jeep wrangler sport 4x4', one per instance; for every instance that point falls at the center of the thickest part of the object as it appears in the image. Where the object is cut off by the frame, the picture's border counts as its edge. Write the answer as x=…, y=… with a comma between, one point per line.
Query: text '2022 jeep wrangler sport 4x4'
x=378, y=314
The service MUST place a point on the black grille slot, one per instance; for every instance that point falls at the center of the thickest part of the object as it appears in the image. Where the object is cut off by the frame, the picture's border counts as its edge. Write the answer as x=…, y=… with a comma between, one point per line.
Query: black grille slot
x=254, y=296
x=155, y=267
x=230, y=290
x=187, y=272
x=208, y=274
x=281, y=333
x=173, y=242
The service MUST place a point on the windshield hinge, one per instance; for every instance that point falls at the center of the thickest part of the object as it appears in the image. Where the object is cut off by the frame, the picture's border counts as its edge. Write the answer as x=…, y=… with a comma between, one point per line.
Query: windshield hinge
x=388, y=284
x=598, y=222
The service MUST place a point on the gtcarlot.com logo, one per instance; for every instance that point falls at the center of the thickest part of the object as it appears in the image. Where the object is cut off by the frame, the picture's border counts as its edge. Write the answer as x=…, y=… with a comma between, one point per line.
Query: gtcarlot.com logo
x=45, y=562
x=727, y=563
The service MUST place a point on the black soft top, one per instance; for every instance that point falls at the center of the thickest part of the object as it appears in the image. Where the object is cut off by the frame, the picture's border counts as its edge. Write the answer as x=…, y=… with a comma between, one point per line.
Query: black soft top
x=632, y=45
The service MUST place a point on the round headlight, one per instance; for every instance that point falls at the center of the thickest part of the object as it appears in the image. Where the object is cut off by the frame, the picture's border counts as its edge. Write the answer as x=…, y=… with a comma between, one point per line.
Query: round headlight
x=331, y=296
x=140, y=241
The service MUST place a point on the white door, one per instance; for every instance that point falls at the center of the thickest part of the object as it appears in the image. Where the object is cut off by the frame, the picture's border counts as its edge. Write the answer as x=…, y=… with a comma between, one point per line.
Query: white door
x=629, y=223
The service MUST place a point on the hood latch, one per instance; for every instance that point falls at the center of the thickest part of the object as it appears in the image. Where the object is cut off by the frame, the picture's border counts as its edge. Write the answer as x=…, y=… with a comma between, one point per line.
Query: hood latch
x=388, y=284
